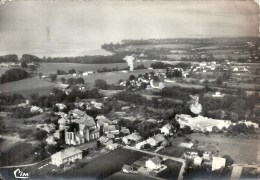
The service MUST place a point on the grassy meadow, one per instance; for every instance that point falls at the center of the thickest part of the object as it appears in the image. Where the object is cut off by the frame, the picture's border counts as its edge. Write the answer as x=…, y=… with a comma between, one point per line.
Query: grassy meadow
x=27, y=86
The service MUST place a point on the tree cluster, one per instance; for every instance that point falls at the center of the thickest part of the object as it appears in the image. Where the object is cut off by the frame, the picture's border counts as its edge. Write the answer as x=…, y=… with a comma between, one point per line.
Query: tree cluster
x=9, y=58
x=14, y=74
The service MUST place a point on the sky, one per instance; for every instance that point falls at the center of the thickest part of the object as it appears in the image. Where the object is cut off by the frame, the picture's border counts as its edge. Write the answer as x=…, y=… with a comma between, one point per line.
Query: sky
x=70, y=28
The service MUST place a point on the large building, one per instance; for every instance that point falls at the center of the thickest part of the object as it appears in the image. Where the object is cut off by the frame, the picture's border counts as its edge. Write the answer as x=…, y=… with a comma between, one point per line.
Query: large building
x=80, y=128
x=201, y=123
x=66, y=156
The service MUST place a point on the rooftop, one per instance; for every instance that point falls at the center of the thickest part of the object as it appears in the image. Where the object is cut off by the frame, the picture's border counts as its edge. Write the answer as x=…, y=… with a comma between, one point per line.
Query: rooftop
x=67, y=152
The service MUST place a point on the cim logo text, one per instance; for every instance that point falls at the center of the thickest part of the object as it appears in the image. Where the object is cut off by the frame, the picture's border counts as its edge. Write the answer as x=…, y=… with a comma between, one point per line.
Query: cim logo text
x=21, y=175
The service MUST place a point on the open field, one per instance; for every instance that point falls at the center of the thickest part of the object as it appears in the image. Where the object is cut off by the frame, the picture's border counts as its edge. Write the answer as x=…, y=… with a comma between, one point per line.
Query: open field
x=19, y=153
x=174, y=150
x=172, y=170
x=19, y=122
x=27, y=86
x=106, y=165
x=47, y=68
x=241, y=149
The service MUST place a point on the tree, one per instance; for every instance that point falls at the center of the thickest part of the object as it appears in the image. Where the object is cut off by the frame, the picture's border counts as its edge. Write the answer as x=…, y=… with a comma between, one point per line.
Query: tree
x=53, y=77
x=80, y=80
x=71, y=81
x=40, y=75
x=63, y=80
x=40, y=135
x=100, y=83
x=47, y=103
x=23, y=64
x=14, y=74
x=229, y=160
x=72, y=71
x=219, y=81
x=132, y=77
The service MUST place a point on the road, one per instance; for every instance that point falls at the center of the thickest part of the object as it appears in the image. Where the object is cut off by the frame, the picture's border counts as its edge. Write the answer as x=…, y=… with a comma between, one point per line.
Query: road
x=180, y=177
x=236, y=172
x=25, y=165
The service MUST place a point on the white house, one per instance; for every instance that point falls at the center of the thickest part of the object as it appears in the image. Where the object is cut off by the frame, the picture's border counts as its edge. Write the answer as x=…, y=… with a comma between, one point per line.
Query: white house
x=218, y=163
x=134, y=137
x=249, y=123
x=36, y=109
x=85, y=74
x=153, y=163
x=207, y=155
x=50, y=140
x=197, y=161
x=65, y=156
x=166, y=129
x=61, y=106
x=46, y=127
x=217, y=95
x=235, y=69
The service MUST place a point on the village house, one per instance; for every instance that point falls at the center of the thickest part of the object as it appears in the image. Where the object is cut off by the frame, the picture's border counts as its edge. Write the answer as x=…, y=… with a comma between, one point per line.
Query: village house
x=81, y=87
x=153, y=163
x=191, y=154
x=46, y=127
x=104, y=140
x=217, y=95
x=160, y=139
x=50, y=140
x=61, y=106
x=62, y=86
x=197, y=161
x=249, y=123
x=66, y=156
x=218, y=163
x=134, y=137
x=152, y=141
x=114, y=129
x=76, y=113
x=111, y=146
x=27, y=102
x=103, y=121
x=207, y=155
x=35, y=109
x=124, y=131
x=166, y=129
x=57, y=134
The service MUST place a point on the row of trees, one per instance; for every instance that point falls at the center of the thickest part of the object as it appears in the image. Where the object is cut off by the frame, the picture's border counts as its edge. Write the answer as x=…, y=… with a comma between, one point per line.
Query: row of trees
x=14, y=74
x=58, y=96
x=9, y=58
x=63, y=72
x=72, y=81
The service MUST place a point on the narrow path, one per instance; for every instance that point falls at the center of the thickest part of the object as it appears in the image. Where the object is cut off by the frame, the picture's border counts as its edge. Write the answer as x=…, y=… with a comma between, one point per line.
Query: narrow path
x=236, y=172
x=180, y=177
